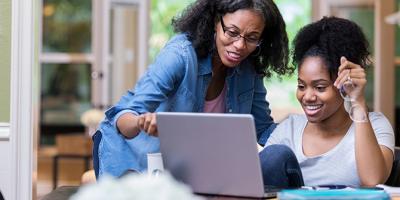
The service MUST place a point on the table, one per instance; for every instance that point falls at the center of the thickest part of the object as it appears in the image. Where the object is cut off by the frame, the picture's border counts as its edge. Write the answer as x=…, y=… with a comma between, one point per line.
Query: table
x=65, y=192
x=57, y=157
x=61, y=193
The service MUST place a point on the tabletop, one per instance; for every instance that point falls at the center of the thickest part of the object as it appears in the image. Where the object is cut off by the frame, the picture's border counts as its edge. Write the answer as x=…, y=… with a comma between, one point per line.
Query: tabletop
x=65, y=192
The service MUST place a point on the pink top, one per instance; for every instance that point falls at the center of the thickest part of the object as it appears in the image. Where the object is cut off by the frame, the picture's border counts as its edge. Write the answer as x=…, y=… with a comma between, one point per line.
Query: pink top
x=216, y=105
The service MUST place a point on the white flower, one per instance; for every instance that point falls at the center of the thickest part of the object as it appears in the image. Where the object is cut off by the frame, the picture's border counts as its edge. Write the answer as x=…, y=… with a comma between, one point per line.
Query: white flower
x=138, y=187
x=92, y=117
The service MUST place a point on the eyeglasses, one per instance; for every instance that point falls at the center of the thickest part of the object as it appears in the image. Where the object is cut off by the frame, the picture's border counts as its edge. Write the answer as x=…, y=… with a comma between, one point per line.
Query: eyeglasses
x=234, y=35
x=355, y=111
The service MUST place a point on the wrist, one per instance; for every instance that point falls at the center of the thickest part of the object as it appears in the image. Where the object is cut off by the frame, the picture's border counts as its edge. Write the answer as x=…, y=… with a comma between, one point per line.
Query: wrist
x=361, y=104
x=359, y=112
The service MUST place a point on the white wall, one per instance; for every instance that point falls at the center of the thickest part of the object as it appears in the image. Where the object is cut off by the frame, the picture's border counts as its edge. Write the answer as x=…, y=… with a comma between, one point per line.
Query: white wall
x=17, y=139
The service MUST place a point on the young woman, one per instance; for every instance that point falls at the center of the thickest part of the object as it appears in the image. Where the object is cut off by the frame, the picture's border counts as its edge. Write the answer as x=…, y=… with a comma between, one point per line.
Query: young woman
x=331, y=146
x=216, y=63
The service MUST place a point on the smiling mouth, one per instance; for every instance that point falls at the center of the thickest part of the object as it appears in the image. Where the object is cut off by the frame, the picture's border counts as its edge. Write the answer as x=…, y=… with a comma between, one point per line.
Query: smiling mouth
x=312, y=109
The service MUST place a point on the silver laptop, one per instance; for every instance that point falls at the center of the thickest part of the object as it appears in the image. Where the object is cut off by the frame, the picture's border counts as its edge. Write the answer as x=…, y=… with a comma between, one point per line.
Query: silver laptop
x=213, y=153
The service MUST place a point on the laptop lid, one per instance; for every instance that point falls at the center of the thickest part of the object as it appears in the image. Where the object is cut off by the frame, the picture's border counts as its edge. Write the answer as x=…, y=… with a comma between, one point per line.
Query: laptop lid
x=213, y=153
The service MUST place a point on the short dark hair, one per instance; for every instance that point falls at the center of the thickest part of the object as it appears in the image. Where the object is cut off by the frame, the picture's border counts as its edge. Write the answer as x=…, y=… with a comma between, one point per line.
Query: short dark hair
x=331, y=38
x=198, y=21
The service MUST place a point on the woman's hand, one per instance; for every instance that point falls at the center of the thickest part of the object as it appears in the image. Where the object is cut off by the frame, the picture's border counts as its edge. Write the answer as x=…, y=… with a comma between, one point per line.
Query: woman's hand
x=351, y=72
x=147, y=123
x=130, y=125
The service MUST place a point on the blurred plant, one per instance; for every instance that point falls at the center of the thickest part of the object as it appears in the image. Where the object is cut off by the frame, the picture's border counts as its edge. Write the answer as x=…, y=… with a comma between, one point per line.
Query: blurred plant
x=136, y=186
x=92, y=117
x=296, y=15
x=282, y=90
x=161, y=14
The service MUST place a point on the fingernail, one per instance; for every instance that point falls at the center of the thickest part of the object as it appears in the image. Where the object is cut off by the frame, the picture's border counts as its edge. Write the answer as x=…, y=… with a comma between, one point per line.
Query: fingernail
x=343, y=60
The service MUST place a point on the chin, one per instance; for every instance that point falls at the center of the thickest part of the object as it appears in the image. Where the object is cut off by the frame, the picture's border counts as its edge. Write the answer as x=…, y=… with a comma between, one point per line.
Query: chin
x=231, y=64
x=313, y=119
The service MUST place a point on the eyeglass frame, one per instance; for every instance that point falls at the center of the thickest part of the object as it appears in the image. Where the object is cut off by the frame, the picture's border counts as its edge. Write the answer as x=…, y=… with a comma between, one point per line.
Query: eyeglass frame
x=238, y=36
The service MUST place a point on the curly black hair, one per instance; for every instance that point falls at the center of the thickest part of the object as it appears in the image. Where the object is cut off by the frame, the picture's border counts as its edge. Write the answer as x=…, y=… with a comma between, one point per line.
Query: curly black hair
x=199, y=18
x=331, y=38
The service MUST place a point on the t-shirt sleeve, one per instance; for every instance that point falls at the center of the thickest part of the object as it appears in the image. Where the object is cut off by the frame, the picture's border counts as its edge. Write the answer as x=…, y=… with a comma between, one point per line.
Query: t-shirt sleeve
x=383, y=130
x=276, y=135
x=283, y=133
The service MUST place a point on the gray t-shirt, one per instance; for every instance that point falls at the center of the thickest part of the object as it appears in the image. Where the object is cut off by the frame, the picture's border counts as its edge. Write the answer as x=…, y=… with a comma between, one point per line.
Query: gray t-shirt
x=338, y=165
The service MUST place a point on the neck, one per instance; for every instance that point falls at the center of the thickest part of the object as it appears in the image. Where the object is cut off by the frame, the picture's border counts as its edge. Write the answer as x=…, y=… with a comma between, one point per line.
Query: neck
x=337, y=124
x=218, y=68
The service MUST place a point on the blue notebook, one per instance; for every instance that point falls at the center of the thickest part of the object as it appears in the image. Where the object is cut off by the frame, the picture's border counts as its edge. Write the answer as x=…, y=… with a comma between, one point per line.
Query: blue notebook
x=347, y=194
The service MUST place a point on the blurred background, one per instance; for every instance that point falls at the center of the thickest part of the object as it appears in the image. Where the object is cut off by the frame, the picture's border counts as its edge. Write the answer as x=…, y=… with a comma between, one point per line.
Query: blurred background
x=93, y=51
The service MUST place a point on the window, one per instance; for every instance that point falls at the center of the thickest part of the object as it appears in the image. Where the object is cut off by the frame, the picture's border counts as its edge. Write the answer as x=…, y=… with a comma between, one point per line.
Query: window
x=89, y=57
x=66, y=63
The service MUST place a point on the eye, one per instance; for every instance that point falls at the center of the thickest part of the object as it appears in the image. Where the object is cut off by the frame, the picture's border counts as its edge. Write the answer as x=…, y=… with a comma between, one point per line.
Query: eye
x=231, y=33
x=320, y=88
x=300, y=87
x=252, y=39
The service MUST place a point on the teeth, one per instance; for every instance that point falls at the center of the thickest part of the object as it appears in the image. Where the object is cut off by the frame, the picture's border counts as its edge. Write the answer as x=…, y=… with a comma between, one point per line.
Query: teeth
x=234, y=55
x=313, y=107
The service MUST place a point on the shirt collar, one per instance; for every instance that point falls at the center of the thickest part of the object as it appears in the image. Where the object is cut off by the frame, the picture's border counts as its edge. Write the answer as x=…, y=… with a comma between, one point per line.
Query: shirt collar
x=205, y=66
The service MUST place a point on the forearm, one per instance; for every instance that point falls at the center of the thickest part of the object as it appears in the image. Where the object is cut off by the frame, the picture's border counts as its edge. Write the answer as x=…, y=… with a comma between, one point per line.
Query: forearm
x=127, y=124
x=371, y=164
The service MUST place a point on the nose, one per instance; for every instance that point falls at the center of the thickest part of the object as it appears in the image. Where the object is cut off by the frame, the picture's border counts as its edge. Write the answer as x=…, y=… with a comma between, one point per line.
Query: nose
x=240, y=43
x=309, y=96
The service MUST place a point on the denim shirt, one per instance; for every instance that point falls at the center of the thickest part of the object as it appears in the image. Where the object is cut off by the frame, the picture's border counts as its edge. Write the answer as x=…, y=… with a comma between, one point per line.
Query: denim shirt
x=177, y=82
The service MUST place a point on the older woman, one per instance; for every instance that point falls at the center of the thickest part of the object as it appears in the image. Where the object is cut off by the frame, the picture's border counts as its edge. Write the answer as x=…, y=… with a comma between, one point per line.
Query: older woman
x=216, y=63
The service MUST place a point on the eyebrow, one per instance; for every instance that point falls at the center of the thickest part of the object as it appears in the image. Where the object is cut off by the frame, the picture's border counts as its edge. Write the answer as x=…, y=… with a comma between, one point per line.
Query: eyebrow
x=316, y=81
x=233, y=26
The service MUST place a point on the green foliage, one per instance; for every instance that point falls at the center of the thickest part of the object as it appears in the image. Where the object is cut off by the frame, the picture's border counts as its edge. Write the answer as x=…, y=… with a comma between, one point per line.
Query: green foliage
x=162, y=12
x=296, y=15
